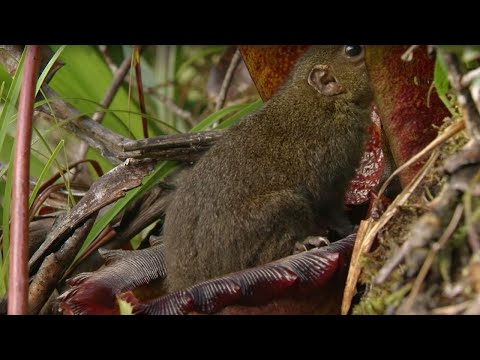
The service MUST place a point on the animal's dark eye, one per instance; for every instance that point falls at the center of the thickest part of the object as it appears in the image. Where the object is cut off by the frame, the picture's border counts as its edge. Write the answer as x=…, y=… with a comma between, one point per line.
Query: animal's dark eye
x=353, y=50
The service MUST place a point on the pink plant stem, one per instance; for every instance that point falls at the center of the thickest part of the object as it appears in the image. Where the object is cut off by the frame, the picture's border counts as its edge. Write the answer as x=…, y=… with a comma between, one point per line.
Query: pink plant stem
x=18, y=271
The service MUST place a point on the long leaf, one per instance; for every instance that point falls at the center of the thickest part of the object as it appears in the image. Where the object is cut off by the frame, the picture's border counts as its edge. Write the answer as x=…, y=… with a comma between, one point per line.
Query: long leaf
x=11, y=101
x=197, y=56
x=51, y=159
x=209, y=120
x=248, y=109
x=45, y=71
x=442, y=84
x=76, y=80
x=7, y=112
x=6, y=231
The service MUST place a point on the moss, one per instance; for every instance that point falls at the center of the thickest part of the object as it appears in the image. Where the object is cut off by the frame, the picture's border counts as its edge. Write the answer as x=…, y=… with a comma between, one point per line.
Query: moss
x=379, y=297
x=449, y=269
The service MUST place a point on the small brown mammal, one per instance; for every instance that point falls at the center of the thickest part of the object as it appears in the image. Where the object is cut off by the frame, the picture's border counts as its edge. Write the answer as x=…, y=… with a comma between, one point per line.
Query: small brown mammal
x=270, y=179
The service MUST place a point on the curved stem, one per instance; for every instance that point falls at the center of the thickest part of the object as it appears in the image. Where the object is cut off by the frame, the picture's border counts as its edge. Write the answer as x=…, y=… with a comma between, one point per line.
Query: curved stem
x=18, y=275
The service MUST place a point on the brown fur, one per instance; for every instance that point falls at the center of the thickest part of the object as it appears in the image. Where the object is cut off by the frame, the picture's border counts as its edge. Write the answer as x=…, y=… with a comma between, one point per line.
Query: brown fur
x=268, y=181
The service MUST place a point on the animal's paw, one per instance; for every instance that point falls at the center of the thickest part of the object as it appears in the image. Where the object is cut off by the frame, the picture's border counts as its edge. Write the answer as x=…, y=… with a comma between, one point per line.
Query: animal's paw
x=309, y=243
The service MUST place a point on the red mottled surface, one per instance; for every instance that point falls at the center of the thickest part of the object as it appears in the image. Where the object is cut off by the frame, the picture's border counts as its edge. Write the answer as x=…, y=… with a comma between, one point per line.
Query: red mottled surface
x=369, y=173
x=325, y=300
x=401, y=93
x=269, y=65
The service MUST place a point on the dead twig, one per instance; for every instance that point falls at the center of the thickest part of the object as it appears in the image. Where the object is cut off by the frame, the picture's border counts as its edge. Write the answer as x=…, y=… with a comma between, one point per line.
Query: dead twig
x=117, y=81
x=373, y=227
x=50, y=305
x=469, y=77
x=118, y=77
x=452, y=309
x=408, y=55
x=168, y=142
x=52, y=179
x=474, y=307
x=141, y=98
x=38, y=231
x=54, y=266
x=103, y=50
x=141, y=214
x=457, y=215
x=228, y=80
x=354, y=271
x=439, y=140
x=171, y=106
x=109, y=188
x=425, y=229
x=153, y=88
x=464, y=98
x=40, y=199
x=470, y=220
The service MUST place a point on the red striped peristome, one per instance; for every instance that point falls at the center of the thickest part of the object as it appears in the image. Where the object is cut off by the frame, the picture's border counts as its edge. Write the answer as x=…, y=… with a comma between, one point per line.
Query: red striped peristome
x=296, y=275
x=290, y=279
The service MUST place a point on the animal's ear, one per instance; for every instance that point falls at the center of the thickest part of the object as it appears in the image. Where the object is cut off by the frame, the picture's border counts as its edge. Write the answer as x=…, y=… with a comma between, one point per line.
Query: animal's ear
x=322, y=79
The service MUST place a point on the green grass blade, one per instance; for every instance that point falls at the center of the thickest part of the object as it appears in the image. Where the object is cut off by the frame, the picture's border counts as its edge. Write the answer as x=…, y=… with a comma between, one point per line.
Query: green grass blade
x=5, y=77
x=1, y=89
x=197, y=56
x=161, y=170
x=51, y=159
x=87, y=76
x=248, y=109
x=7, y=197
x=8, y=112
x=45, y=71
x=110, y=111
x=216, y=116
x=442, y=84
x=4, y=170
x=11, y=101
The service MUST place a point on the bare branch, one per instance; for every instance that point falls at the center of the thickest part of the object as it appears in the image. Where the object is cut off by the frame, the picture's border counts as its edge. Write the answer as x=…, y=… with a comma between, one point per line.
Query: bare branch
x=109, y=188
x=465, y=100
x=170, y=105
x=141, y=98
x=408, y=55
x=111, y=145
x=113, y=67
x=457, y=215
x=173, y=141
x=117, y=81
x=470, y=76
x=54, y=266
x=228, y=80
